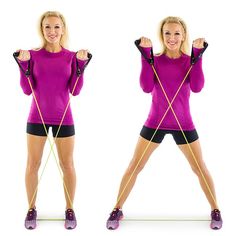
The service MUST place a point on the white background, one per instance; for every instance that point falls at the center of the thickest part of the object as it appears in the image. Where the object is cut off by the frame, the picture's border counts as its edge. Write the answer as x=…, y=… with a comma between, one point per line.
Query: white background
x=109, y=114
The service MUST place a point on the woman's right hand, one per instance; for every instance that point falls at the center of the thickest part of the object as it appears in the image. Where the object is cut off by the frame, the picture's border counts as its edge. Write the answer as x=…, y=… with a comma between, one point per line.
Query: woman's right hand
x=145, y=42
x=24, y=55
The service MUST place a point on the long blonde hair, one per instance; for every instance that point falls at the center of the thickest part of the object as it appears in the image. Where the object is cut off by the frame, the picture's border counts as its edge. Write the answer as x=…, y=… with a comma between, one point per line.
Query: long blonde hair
x=64, y=37
x=184, y=48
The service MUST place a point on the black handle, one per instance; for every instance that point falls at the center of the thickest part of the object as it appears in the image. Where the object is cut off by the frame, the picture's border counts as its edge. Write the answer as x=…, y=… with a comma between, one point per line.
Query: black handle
x=80, y=71
x=16, y=54
x=137, y=42
x=195, y=59
x=27, y=72
x=149, y=60
x=89, y=55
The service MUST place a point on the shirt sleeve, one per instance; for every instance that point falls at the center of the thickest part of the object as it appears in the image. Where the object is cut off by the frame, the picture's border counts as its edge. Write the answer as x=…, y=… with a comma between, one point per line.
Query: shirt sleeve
x=147, y=80
x=196, y=75
x=24, y=83
x=75, y=82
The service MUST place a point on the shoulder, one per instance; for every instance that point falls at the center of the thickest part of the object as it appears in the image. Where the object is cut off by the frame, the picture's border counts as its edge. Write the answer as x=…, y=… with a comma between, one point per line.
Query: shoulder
x=34, y=51
x=67, y=51
x=69, y=54
x=186, y=56
x=158, y=56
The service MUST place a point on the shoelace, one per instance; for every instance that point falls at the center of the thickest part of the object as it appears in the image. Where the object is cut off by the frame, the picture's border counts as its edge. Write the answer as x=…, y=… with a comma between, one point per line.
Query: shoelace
x=69, y=215
x=114, y=214
x=216, y=215
x=30, y=214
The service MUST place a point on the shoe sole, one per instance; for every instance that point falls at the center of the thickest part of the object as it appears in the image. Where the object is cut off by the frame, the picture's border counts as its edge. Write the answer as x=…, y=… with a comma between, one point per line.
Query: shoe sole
x=30, y=225
x=216, y=225
x=69, y=226
x=110, y=224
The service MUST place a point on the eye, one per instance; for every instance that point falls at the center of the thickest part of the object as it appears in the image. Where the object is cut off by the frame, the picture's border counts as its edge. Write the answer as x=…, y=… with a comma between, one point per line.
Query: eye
x=167, y=33
x=57, y=27
x=177, y=33
x=47, y=27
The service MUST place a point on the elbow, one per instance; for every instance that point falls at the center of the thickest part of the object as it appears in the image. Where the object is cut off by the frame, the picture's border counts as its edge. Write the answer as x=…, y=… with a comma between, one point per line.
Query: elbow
x=75, y=93
x=197, y=88
x=147, y=89
x=25, y=86
x=27, y=92
x=75, y=87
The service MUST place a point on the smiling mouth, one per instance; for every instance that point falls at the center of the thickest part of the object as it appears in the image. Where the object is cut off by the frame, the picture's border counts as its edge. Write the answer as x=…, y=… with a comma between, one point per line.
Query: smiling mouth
x=172, y=44
x=52, y=37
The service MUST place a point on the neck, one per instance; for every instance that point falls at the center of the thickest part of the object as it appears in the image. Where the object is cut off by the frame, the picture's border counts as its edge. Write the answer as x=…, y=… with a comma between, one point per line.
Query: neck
x=173, y=54
x=53, y=47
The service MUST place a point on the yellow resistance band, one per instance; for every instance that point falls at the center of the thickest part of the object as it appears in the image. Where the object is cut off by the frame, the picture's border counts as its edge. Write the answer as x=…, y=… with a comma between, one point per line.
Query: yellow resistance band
x=166, y=219
x=163, y=117
x=51, y=144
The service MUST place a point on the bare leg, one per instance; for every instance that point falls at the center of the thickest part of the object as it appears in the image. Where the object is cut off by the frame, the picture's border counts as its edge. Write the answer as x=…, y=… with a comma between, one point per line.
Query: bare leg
x=196, y=148
x=134, y=169
x=35, y=146
x=65, y=148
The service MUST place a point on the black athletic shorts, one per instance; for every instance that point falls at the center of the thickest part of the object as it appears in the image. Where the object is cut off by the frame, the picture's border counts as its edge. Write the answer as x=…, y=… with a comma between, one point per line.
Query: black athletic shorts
x=38, y=129
x=147, y=133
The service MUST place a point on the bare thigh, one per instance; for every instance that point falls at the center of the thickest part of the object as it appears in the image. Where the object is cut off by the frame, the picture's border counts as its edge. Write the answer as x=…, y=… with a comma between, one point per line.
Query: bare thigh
x=65, y=149
x=35, y=146
x=142, y=153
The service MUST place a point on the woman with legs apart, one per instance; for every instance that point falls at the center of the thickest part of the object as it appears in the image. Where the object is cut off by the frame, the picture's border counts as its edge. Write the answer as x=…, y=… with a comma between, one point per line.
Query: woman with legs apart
x=53, y=75
x=172, y=66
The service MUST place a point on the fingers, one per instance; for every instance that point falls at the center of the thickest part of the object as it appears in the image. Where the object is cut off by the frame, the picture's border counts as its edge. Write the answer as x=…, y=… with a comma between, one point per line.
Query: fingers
x=145, y=42
x=199, y=43
x=82, y=54
x=24, y=55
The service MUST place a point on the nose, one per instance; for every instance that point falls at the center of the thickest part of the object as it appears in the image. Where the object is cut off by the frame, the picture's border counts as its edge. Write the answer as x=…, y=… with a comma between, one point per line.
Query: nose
x=172, y=37
x=52, y=30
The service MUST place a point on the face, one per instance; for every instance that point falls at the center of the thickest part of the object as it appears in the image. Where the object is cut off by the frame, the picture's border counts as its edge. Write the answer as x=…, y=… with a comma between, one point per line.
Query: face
x=52, y=29
x=173, y=35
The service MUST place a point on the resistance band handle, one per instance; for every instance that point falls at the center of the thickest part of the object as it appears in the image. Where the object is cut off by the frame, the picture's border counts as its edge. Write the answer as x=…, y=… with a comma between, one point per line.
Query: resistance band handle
x=80, y=71
x=27, y=72
x=149, y=60
x=195, y=59
x=16, y=54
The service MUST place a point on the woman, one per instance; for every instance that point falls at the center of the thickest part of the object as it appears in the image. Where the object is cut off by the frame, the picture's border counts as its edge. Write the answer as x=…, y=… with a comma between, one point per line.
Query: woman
x=172, y=65
x=53, y=75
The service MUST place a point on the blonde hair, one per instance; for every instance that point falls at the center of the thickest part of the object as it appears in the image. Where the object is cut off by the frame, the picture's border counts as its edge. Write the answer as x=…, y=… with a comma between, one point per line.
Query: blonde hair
x=64, y=37
x=184, y=48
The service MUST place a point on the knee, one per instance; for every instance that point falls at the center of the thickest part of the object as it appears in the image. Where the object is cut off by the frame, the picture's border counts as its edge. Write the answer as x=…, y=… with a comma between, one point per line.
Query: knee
x=67, y=166
x=134, y=168
x=33, y=165
x=199, y=169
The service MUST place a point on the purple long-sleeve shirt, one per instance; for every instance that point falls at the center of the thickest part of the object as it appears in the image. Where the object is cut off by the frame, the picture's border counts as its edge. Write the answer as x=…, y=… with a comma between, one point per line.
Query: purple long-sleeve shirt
x=53, y=76
x=171, y=73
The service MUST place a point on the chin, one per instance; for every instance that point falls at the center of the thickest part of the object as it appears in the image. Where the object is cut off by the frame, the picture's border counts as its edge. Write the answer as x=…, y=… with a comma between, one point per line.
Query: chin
x=174, y=49
x=52, y=41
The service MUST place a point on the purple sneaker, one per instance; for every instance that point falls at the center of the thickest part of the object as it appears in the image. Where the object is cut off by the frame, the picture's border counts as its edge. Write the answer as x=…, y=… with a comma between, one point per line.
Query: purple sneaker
x=70, y=221
x=216, y=220
x=113, y=221
x=30, y=220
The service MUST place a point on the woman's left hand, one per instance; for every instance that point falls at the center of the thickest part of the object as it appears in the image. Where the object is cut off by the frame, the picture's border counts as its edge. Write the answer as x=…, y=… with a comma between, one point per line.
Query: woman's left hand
x=199, y=43
x=82, y=55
